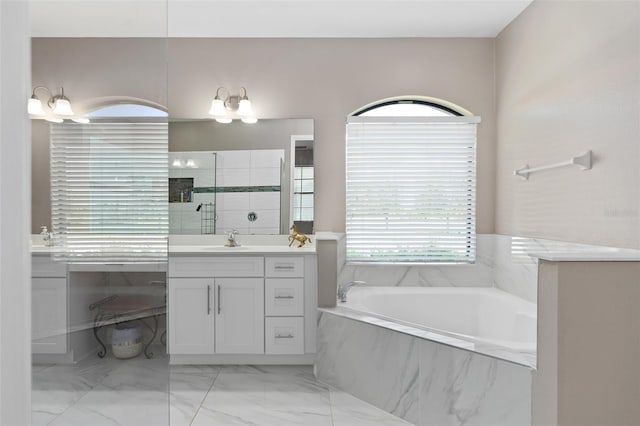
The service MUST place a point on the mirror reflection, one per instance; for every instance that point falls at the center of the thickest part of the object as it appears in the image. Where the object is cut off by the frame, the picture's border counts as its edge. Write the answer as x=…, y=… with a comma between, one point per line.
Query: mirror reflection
x=253, y=178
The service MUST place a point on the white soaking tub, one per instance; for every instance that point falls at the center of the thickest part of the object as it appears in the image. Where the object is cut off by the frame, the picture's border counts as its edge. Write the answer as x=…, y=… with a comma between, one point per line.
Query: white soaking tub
x=478, y=315
x=432, y=355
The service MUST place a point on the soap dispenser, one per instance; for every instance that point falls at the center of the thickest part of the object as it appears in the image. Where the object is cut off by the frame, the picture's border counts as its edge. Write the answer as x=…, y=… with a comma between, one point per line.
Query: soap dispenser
x=46, y=236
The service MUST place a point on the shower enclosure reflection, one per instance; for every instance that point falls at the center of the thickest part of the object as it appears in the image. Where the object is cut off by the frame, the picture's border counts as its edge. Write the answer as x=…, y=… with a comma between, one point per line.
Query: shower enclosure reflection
x=257, y=179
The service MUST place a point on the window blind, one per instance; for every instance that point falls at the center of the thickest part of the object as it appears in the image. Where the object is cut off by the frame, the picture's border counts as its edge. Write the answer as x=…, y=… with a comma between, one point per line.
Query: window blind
x=411, y=189
x=109, y=195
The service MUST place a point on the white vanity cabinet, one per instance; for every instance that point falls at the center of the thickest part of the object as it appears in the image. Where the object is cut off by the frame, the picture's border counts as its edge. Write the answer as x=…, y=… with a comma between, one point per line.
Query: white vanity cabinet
x=241, y=308
x=239, y=315
x=48, y=306
x=190, y=316
x=284, y=326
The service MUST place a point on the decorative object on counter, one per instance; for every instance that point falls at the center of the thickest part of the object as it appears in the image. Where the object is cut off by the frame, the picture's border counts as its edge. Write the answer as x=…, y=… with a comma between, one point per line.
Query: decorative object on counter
x=240, y=104
x=47, y=236
x=59, y=105
x=583, y=161
x=301, y=238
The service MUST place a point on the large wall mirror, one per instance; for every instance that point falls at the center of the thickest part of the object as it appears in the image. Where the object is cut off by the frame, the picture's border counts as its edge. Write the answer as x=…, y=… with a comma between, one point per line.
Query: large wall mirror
x=253, y=178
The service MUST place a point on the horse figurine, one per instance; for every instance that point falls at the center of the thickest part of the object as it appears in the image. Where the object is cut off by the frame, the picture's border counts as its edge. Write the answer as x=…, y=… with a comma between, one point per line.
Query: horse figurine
x=298, y=236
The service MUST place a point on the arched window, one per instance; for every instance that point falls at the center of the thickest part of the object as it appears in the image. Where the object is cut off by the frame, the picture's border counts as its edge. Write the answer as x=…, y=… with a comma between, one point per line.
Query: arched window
x=127, y=110
x=109, y=185
x=411, y=182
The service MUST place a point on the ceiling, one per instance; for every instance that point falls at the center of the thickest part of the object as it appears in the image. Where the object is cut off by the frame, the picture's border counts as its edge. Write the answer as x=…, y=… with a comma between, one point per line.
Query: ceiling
x=272, y=18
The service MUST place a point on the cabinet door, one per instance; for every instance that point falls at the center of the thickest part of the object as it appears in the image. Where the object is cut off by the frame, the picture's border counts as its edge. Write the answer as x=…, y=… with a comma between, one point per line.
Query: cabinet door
x=191, y=316
x=239, y=315
x=49, y=315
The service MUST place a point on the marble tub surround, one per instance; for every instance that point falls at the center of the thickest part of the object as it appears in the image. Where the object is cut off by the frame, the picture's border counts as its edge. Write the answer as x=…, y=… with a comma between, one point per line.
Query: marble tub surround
x=424, y=382
x=490, y=335
x=509, y=263
x=478, y=274
x=516, y=259
x=150, y=392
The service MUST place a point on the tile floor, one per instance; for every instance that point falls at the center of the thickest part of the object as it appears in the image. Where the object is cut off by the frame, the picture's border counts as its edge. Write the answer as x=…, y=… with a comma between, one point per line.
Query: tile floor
x=149, y=392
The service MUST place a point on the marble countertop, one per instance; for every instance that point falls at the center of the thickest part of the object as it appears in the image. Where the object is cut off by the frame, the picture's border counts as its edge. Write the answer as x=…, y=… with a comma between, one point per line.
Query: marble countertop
x=203, y=245
x=203, y=250
x=561, y=251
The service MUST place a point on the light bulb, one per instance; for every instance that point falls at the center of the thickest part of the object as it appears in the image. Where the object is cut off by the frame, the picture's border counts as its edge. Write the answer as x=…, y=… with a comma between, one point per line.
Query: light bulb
x=54, y=119
x=217, y=108
x=191, y=163
x=35, y=106
x=244, y=108
x=249, y=120
x=176, y=163
x=223, y=120
x=81, y=120
x=62, y=107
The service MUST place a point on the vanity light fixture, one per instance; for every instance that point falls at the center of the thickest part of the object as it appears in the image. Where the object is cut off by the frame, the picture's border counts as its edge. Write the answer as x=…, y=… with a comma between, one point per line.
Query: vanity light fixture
x=59, y=105
x=240, y=104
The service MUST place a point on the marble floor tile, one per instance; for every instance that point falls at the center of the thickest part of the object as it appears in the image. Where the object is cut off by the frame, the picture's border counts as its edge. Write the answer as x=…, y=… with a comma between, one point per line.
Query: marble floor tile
x=142, y=392
x=347, y=410
x=272, y=398
x=188, y=387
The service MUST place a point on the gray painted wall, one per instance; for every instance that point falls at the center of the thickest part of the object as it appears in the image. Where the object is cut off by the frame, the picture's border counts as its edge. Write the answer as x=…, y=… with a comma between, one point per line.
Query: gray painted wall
x=323, y=79
x=568, y=81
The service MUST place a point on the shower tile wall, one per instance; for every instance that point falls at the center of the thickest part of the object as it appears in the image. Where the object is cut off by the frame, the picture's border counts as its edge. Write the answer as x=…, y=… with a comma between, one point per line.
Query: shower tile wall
x=255, y=175
x=183, y=217
x=238, y=182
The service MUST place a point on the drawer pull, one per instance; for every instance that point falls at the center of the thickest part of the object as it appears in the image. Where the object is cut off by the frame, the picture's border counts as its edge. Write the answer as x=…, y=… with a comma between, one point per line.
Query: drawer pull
x=284, y=336
x=219, y=301
x=208, y=299
x=284, y=267
x=285, y=297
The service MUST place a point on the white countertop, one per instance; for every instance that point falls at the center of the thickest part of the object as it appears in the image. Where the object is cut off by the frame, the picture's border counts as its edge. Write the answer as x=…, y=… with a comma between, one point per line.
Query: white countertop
x=203, y=245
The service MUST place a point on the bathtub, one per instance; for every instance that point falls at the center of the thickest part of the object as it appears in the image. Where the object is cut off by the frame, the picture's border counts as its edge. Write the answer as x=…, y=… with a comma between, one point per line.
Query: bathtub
x=477, y=315
x=432, y=355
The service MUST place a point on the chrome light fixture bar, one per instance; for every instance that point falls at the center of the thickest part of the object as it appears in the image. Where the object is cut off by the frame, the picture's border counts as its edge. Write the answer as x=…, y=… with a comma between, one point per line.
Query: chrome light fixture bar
x=59, y=105
x=240, y=104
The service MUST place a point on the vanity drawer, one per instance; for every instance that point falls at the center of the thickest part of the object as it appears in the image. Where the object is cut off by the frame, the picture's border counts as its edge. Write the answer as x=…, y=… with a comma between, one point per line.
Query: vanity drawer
x=44, y=266
x=284, y=266
x=284, y=336
x=216, y=266
x=284, y=297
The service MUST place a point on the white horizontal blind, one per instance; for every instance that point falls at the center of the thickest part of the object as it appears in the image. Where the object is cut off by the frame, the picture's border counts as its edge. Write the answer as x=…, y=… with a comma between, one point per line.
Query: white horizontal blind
x=411, y=189
x=109, y=195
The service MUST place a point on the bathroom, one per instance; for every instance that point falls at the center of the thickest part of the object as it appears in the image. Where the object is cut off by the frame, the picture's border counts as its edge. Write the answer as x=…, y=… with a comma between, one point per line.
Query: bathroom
x=543, y=96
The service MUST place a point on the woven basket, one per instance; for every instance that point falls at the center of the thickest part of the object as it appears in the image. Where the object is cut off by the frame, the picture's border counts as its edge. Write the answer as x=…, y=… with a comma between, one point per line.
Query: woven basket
x=126, y=341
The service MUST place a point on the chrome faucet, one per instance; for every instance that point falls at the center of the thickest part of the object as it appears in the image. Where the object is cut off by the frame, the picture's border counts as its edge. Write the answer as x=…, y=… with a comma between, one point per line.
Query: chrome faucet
x=232, y=238
x=343, y=289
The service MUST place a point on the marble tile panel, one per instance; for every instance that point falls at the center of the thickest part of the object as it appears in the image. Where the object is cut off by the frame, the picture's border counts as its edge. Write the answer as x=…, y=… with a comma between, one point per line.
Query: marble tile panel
x=462, y=388
x=478, y=274
x=374, y=364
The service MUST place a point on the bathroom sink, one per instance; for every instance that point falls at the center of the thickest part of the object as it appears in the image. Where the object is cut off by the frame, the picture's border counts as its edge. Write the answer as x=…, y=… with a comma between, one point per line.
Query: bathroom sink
x=224, y=248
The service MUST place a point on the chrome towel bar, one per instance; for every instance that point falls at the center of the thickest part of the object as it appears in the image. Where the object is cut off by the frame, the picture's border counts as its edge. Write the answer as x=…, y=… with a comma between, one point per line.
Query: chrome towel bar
x=583, y=161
